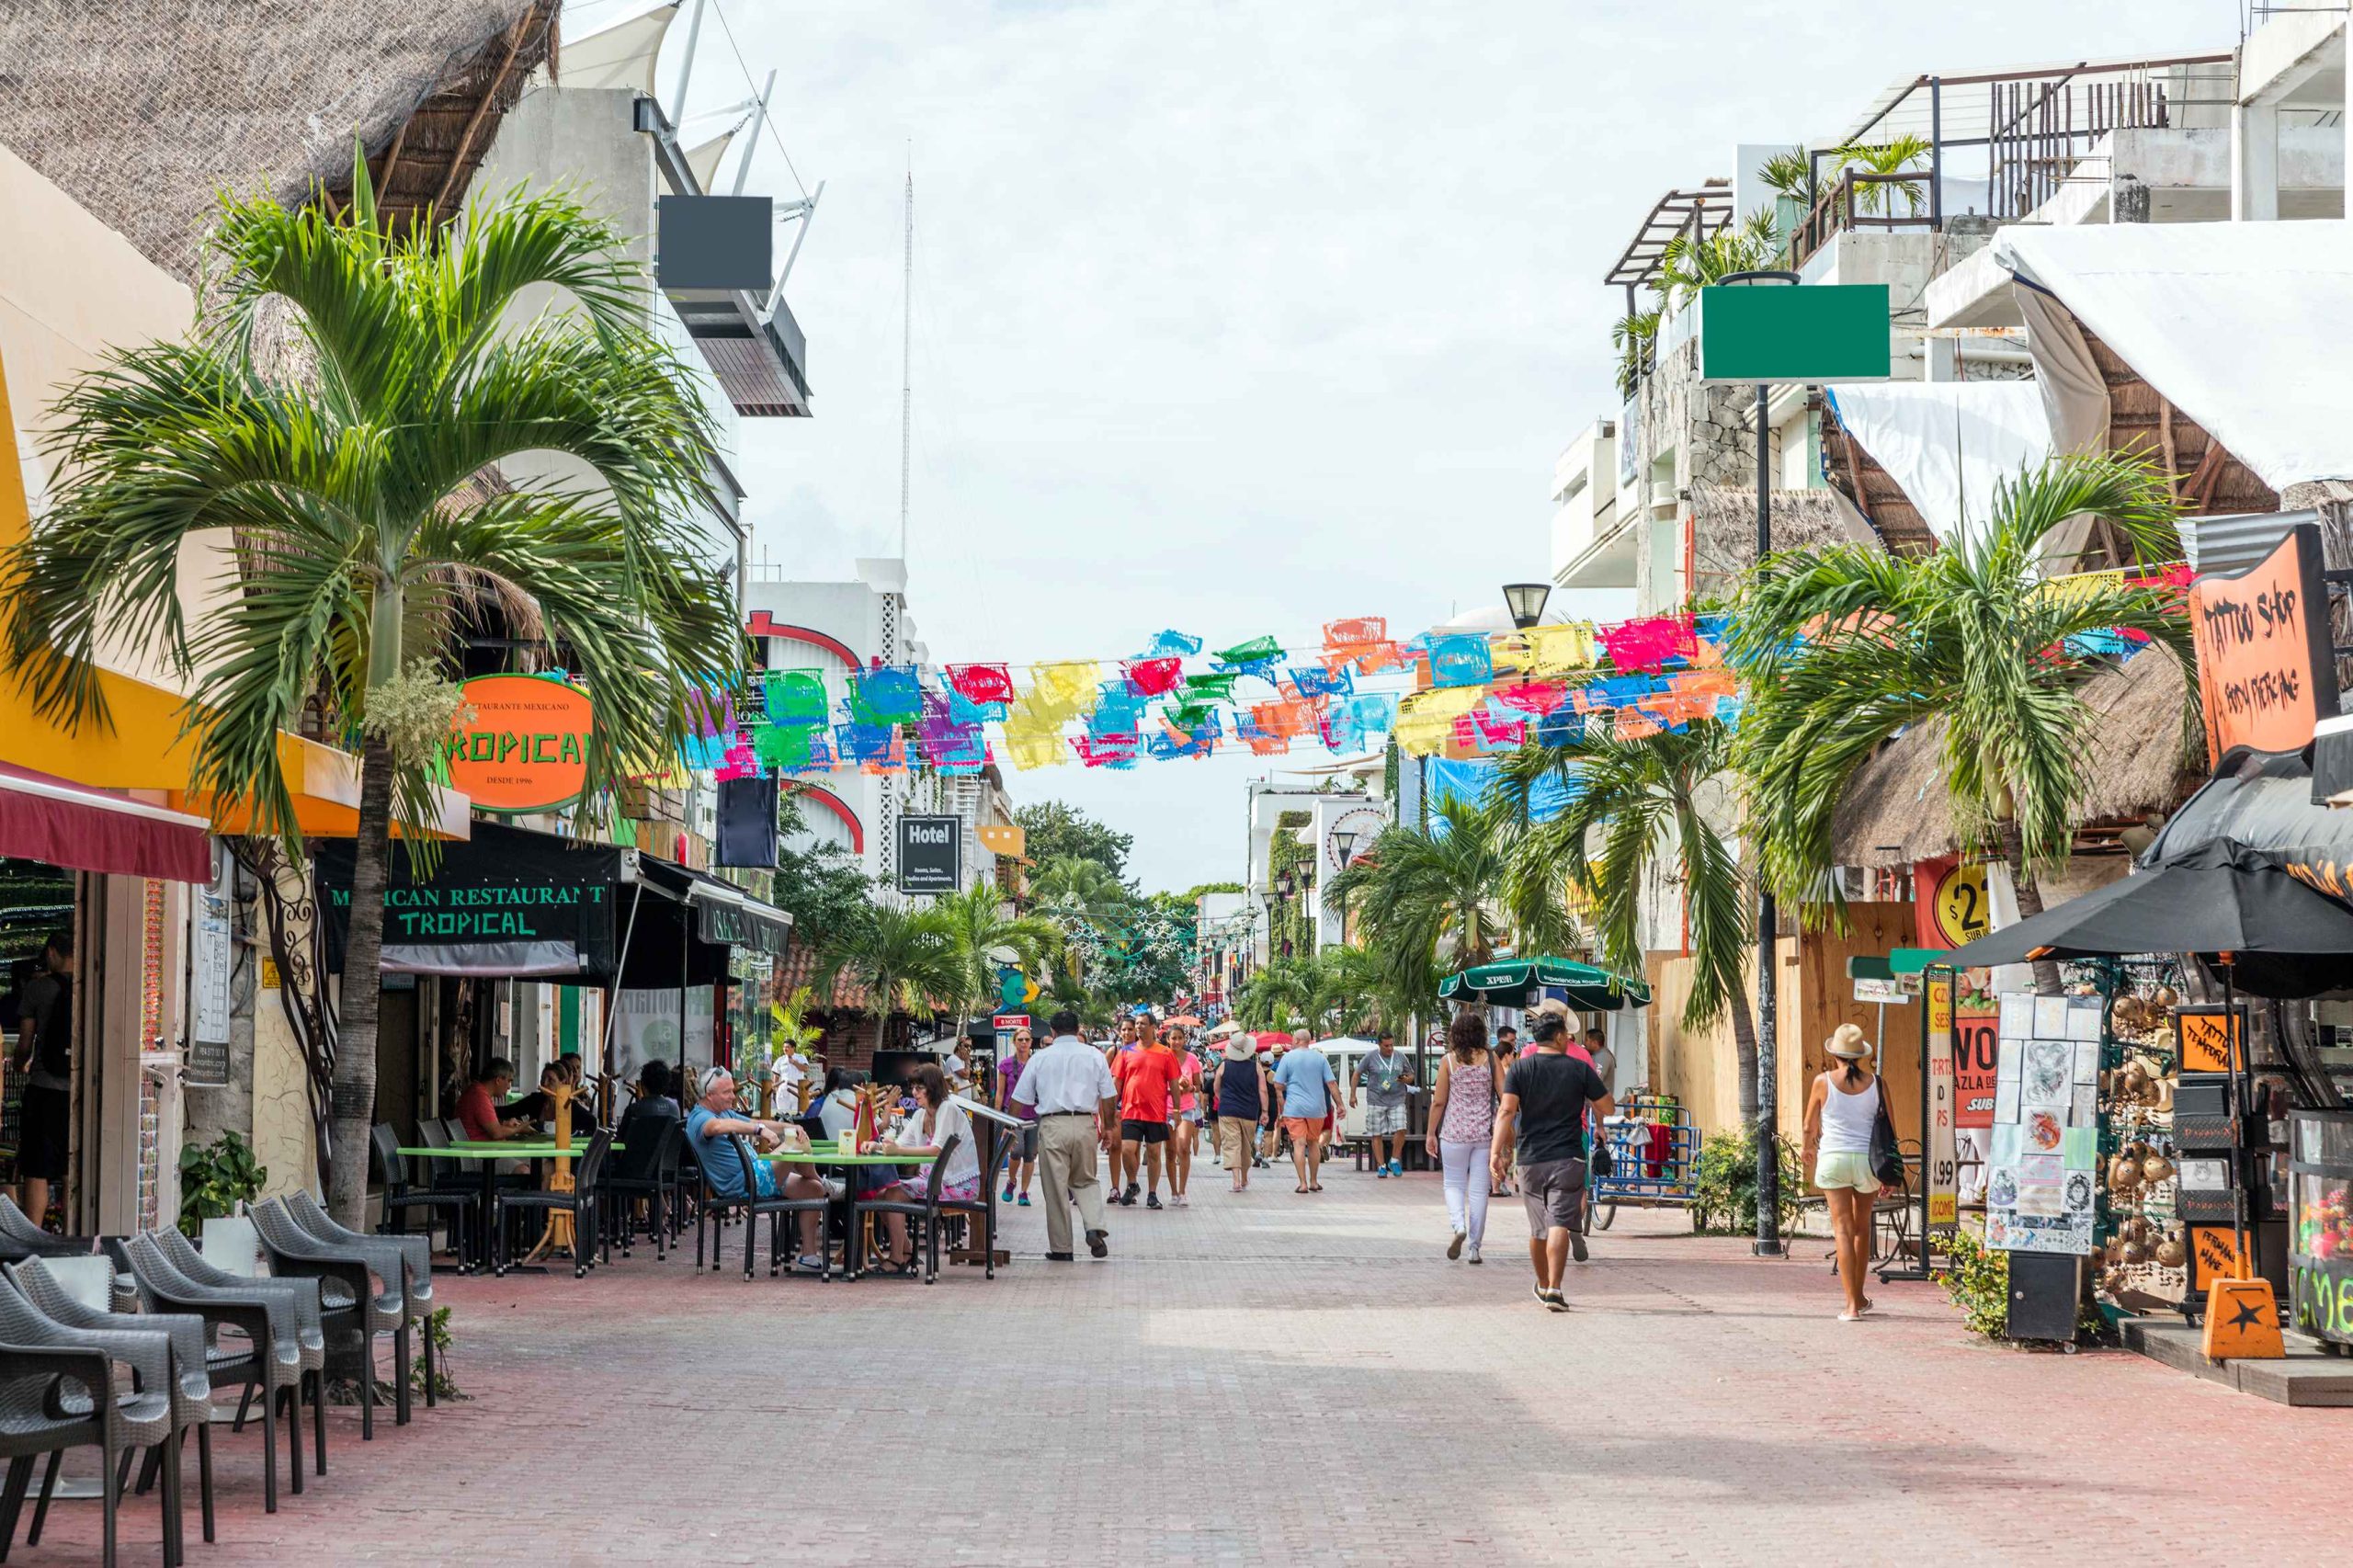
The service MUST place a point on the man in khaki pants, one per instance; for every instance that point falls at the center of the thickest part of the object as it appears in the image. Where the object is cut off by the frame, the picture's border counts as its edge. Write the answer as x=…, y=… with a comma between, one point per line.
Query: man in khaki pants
x=1069, y=1086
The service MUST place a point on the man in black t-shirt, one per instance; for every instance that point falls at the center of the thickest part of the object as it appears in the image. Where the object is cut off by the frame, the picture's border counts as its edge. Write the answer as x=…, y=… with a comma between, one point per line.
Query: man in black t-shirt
x=1544, y=1102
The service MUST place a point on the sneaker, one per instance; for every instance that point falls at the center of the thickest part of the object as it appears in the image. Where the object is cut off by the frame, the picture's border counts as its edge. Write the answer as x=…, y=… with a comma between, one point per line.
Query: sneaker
x=1022, y=1202
x=1129, y=1195
x=1576, y=1245
x=1475, y=1254
x=1009, y=1196
x=809, y=1262
x=1152, y=1200
x=1543, y=1297
x=1097, y=1242
x=1380, y=1171
x=1454, y=1249
x=1396, y=1167
x=1555, y=1301
x=1179, y=1200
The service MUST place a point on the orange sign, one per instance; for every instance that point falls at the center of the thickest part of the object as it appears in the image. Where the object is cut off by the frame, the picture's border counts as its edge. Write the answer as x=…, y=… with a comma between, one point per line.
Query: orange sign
x=525, y=748
x=2242, y=1322
x=1003, y=838
x=2206, y=1046
x=2265, y=674
x=2214, y=1251
x=1949, y=899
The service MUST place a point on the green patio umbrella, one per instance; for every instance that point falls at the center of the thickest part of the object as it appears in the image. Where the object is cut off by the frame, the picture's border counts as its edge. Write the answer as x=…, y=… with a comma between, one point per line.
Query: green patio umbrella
x=1523, y=982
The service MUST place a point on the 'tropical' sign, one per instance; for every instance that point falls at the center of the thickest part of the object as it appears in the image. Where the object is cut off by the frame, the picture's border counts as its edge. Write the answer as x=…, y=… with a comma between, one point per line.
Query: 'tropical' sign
x=526, y=747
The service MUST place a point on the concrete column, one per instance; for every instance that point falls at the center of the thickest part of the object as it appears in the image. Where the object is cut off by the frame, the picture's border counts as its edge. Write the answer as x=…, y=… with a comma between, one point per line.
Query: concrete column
x=2255, y=163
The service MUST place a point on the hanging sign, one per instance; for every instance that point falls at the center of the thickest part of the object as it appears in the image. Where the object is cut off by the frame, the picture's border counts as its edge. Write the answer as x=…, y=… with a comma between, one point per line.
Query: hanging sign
x=524, y=747
x=1950, y=902
x=2265, y=674
x=931, y=853
x=2208, y=1040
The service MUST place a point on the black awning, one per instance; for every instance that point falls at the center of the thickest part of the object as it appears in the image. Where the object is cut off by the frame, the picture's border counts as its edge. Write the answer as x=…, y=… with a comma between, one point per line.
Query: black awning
x=2264, y=805
x=505, y=901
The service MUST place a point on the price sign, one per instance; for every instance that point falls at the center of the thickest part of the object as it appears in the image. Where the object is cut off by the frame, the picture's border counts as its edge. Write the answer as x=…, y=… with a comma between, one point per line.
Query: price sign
x=1943, y=1159
x=1950, y=901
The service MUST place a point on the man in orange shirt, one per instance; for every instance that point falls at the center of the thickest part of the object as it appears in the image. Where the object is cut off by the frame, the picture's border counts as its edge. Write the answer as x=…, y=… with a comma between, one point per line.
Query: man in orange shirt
x=1144, y=1076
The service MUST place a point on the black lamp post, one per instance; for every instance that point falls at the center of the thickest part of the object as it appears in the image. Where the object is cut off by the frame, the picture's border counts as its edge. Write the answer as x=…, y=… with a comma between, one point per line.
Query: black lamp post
x=1526, y=602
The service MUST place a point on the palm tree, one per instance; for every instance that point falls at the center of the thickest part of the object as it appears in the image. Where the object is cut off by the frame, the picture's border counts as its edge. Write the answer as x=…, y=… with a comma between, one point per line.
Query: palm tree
x=904, y=960
x=1352, y=990
x=1896, y=155
x=1645, y=802
x=1790, y=174
x=1690, y=263
x=1844, y=647
x=1633, y=336
x=1448, y=895
x=983, y=935
x=371, y=518
x=1277, y=995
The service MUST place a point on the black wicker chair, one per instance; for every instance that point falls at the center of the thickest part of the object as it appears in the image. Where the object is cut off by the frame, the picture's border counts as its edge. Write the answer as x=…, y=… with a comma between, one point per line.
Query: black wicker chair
x=580, y=1203
x=924, y=1211
x=78, y=1406
x=353, y=1312
x=191, y=1388
x=283, y=1347
x=648, y=1169
x=774, y=1209
x=403, y=1193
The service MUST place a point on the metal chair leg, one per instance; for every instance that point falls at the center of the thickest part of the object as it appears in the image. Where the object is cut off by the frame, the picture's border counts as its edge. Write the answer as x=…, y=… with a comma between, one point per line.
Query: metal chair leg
x=424, y=1331
x=319, y=1419
x=268, y=1447
x=295, y=1434
x=204, y=1475
x=400, y=1367
x=113, y=1499
x=48, y=1490
x=20, y=1470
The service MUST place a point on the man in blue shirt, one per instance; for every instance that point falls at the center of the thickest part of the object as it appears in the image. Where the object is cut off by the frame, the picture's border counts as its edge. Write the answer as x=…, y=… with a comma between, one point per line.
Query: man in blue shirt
x=1306, y=1079
x=709, y=1125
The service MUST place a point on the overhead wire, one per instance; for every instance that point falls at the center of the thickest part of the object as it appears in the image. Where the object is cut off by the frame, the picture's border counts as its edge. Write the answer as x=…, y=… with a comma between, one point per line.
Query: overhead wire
x=767, y=121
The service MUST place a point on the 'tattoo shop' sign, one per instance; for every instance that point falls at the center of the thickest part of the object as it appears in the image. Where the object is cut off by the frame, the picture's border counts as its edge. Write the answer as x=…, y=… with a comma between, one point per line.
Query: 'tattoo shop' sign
x=2265, y=673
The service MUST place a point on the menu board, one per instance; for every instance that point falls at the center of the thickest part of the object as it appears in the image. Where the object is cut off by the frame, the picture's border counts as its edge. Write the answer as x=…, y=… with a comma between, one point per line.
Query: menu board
x=2041, y=1191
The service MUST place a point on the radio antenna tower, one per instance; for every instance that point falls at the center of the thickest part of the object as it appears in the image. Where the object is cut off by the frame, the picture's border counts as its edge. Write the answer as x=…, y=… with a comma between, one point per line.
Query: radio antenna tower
x=906, y=360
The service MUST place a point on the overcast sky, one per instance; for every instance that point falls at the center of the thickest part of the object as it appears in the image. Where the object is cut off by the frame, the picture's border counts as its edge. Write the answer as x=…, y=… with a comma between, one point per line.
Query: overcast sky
x=1239, y=318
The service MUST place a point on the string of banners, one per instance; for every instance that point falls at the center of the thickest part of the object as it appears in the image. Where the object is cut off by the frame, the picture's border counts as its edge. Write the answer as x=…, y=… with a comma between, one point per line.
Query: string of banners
x=1454, y=694
x=1457, y=693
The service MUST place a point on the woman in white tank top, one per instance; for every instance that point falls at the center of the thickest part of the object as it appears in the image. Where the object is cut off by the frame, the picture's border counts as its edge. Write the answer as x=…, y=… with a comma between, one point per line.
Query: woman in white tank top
x=1840, y=1113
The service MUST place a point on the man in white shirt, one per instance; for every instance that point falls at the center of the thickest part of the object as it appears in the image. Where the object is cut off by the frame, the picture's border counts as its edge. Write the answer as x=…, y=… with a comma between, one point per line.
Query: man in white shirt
x=1070, y=1087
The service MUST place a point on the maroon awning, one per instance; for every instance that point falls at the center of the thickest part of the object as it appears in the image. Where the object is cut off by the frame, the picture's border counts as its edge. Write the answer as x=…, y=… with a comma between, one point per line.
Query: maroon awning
x=84, y=829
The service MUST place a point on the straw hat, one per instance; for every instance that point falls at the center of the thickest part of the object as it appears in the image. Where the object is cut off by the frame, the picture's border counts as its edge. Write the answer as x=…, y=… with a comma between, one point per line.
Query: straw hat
x=1239, y=1047
x=1847, y=1043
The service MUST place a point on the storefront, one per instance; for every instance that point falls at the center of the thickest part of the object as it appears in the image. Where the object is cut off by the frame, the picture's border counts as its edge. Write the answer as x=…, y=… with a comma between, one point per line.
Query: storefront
x=112, y=879
x=529, y=946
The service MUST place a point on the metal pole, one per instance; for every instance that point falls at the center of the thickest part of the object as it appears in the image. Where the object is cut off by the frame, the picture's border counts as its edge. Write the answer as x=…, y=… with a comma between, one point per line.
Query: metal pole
x=686, y=66
x=1935, y=160
x=2233, y=1043
x=1769, y=1154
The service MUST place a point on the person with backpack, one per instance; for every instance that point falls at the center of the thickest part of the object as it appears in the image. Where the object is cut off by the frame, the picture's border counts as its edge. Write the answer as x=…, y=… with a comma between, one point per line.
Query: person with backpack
x=44, y=1055
x=1842, y=1111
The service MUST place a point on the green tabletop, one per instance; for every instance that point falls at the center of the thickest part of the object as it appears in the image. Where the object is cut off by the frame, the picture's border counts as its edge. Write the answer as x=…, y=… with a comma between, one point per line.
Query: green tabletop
x=830, y=1157
x=515, y=1151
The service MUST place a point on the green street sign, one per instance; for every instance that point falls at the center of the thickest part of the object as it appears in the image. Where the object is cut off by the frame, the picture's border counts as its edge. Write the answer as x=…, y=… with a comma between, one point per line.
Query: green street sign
x=1783, y=331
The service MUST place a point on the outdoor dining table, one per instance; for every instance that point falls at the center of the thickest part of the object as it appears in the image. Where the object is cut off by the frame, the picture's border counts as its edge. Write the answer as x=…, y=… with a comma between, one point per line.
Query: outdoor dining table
x=830, y=1154
x=488, y=1154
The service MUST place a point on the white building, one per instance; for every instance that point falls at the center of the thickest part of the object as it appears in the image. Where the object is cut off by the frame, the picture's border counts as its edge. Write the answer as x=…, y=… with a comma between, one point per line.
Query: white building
x=834, y=628
x=1337, y=824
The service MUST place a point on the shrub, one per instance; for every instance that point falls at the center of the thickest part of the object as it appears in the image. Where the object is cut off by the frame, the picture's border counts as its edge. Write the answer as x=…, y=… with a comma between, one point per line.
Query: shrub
x=1978, y=1282
x=215, y=1178
x=1724, y=1201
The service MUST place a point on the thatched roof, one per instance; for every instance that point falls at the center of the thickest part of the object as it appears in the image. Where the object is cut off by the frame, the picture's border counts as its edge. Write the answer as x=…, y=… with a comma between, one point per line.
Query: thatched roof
x=1884, y=505
x=141, y=110
x=1898, y=811
x=1723, y=529
x=2141, y=422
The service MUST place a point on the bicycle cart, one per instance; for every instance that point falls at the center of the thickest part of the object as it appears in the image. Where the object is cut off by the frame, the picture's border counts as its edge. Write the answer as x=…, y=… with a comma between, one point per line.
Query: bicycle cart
x=1654, y=1158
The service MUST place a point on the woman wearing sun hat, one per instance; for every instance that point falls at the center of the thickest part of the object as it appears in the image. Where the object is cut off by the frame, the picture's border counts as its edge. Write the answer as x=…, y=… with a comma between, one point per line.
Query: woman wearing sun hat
x=1242, y=1101
x=1841, y=1110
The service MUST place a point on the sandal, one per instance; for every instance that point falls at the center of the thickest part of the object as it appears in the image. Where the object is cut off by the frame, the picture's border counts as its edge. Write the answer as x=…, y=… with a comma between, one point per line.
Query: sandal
x=1299, y=1189
x=1314, y=1186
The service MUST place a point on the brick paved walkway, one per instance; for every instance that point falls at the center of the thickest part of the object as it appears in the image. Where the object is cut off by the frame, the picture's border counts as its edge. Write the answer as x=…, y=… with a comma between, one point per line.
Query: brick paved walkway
x=1278, y=1379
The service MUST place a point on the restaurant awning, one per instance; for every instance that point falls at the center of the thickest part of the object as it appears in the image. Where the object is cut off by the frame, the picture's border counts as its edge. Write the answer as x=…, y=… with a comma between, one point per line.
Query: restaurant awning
x=43, y=817
x=1523, y=982
x=512, y=902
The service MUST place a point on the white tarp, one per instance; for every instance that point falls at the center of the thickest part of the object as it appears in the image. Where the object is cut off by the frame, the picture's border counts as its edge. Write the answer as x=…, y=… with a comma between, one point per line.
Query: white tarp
x=2245, y=327
x=1948, y=443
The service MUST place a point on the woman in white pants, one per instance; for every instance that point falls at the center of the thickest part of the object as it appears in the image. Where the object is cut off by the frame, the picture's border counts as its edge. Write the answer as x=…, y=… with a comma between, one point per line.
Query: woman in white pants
x=1463, y=1123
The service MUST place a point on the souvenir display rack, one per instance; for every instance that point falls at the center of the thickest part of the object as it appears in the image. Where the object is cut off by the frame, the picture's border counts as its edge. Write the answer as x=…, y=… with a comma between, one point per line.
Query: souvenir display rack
x=2141, y=1249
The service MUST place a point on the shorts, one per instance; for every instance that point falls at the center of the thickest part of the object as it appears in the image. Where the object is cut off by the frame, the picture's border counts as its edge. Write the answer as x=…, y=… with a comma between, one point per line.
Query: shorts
x=1382, y=1120
x=1553, y=1191
x=1020, y=1144
x=1135, y=1131
x=44, y=1128
x=1192, y=1116
x=1304, y=1130
x=1851, y=1168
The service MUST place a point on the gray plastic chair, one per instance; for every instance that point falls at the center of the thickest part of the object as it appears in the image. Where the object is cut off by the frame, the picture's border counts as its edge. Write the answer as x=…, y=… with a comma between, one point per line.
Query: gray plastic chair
x=404, y=1257
x=353, y=1310
x=77, y=1406
x=279, y=1320
x=192, y=1387
x=20, y=1237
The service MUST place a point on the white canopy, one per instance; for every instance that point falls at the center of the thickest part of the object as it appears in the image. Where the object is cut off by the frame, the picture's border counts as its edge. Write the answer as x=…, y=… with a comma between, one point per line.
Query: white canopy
x=1948, y=443
x=2248, y=328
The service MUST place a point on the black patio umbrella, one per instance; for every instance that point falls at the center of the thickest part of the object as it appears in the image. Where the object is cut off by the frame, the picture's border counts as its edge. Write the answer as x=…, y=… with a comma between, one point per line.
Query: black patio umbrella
x=2219, y=898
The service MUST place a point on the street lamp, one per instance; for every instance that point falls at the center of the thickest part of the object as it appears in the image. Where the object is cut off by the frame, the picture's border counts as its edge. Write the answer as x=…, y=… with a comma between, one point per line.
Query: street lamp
x=1526, y=602
x=1343, y=840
